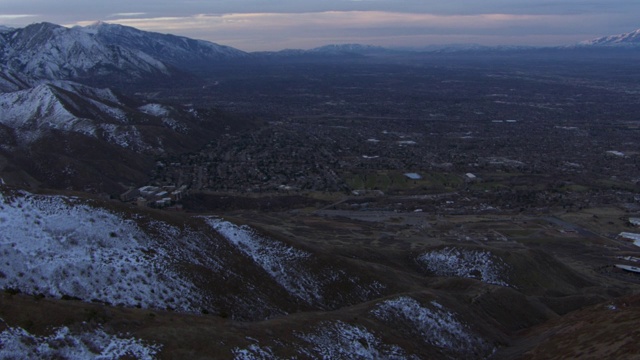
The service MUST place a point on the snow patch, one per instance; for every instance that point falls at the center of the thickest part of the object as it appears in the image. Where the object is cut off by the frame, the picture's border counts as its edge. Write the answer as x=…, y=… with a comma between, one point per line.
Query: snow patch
x=434, y=324
x=282, y=262
x=164, y=112
x=631, y=236
x=154, y=109
x=467, y=263
x=254, y=352
x=339, y=340
x=59, y=246
x=17, y=343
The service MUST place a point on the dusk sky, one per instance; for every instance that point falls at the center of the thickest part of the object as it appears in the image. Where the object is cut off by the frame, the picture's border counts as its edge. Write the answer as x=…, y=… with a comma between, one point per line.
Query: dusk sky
x=253, y=25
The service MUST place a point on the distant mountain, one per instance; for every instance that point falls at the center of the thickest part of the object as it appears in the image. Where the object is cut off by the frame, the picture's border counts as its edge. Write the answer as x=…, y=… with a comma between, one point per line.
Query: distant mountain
x=626, y=39
x=5, y=28
x=342, y=50
x=348, y=49
x=332, y=50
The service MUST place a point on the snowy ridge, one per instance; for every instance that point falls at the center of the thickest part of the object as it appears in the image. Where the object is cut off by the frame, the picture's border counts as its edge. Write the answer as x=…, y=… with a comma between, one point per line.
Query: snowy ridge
x=467, y=263
x=98, y=97
x=434, y=324
x=339, y=340
x=48, y=51
x=282, y=262
x=17, y=343
x=56, y=106
x=628, y=39
x=59, y=246
x=72, y=107
x=171, y=49
x=32, y=107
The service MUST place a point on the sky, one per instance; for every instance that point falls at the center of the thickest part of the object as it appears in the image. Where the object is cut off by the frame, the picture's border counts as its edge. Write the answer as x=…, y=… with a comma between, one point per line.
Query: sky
x=255, y=25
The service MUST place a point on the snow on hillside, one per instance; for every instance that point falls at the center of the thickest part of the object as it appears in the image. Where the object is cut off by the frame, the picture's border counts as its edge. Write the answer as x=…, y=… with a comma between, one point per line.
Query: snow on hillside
x=128, y=137
x=292, y=268
x=254, y=351
x=71, y=107
x=49, y=51
x=48, y=106
x=32, y=107
x=282, y=262
x=154, y=109
x=17, y=343
x=330, y=340
x=476, y=264
x=175, y=50
x=59, y=246
x=104, y=100
x=12, y=81
x=630, y=38
x=164, y=113
x=339, y=340
x=434, y=324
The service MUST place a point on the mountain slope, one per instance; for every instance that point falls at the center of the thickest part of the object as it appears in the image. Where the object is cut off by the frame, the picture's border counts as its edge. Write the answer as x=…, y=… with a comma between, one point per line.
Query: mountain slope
x=626, y=39
x=12, y=81
x=105, y=52
x=178, y=51
x=154, y=263
x=48, y=51
x=71, y=107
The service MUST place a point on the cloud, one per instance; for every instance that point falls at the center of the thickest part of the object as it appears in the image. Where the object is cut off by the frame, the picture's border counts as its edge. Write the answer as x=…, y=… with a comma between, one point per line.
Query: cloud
x=129, y=14
x=4, y=17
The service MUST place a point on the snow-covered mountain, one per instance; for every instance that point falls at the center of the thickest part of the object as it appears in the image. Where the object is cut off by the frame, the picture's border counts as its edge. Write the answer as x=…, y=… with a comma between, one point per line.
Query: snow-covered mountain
x=13, y=81
x=48, y=51
x=626, y=39
x=114, y=52
x=71, y=107
x=178, y=51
